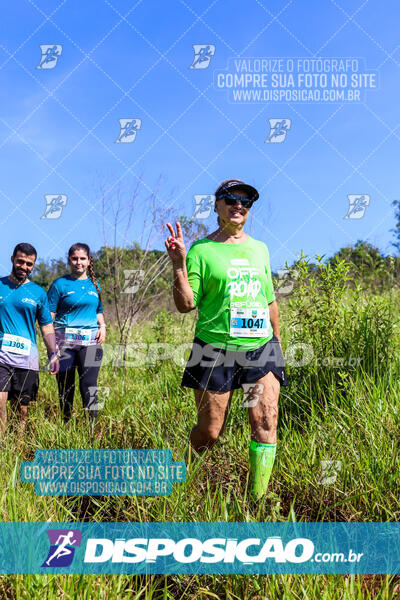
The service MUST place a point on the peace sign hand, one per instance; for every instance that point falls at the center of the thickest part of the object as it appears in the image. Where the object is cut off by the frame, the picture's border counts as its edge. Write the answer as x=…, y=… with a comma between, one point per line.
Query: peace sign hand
x=175, y=245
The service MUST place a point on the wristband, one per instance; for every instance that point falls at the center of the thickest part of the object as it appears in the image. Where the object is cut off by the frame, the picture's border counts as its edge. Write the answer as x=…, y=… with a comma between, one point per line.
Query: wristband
x=103, y=325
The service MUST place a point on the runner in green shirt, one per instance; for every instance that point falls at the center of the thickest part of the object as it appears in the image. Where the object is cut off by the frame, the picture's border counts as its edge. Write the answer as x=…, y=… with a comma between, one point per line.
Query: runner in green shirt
x=227, y=277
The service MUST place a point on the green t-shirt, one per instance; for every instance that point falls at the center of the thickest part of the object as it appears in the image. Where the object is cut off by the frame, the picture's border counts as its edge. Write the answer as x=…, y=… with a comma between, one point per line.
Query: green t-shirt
x=232, y=287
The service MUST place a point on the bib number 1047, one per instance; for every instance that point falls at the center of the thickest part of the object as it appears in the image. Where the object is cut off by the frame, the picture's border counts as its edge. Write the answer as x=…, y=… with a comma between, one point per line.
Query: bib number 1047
x=253, y=323
x=250, y=322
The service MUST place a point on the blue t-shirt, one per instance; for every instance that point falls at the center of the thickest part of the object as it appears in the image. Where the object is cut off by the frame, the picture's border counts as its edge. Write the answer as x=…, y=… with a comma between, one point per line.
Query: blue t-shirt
x=20, y=307
x=76, y=304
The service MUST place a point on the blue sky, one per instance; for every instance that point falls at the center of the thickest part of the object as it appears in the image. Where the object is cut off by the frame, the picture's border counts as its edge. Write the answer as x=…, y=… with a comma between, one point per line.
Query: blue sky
x=122, y=59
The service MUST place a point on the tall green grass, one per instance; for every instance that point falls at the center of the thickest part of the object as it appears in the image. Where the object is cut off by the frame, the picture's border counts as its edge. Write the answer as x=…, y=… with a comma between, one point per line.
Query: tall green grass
x=328, y=413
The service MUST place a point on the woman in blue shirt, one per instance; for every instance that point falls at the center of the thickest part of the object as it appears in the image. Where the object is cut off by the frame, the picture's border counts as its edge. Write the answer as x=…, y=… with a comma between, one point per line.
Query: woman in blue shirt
x=76, y=307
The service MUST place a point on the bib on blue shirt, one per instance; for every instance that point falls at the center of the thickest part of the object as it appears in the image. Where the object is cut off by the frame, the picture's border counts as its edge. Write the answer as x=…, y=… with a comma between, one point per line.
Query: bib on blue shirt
x=76, y=304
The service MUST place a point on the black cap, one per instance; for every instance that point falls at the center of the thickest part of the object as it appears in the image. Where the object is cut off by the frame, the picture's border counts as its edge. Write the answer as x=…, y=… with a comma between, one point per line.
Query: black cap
x=230, y=184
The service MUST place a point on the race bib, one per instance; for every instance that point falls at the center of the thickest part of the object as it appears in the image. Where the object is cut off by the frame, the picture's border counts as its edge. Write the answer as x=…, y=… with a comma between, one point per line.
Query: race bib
x=250, y=322
x=16, y=344
x=79, y=336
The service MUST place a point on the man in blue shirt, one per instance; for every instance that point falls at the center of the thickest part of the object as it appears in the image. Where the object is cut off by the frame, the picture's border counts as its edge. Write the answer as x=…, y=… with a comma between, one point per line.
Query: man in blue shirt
x=22, y=303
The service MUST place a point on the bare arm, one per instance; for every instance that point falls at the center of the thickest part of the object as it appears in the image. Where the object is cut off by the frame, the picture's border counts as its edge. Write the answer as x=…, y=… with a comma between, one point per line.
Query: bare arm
x=182, y=292
x=101, y=334
x=274, y=318
x=49, y=338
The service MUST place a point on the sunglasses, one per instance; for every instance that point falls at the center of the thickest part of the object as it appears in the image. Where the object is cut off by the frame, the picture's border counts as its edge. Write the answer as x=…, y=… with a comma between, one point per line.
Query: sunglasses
x=231, y=199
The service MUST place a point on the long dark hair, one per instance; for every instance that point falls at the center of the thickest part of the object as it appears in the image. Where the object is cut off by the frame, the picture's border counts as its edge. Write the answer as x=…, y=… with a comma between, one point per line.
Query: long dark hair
x=86, y=249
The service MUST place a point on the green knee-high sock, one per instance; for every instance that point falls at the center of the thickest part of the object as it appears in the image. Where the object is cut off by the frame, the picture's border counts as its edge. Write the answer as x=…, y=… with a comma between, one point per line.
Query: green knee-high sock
x=262, y=458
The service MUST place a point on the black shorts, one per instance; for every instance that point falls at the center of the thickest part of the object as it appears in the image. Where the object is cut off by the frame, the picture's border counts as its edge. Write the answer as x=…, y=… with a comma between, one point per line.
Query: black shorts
x=210, y=368
x=21, y=384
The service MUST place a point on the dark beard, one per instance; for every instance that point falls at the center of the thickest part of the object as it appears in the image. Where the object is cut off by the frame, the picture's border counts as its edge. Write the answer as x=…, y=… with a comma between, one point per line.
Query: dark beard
x=19, y=277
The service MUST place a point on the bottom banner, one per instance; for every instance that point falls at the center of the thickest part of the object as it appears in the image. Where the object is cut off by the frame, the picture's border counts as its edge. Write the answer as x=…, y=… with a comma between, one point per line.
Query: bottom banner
x=203, y=548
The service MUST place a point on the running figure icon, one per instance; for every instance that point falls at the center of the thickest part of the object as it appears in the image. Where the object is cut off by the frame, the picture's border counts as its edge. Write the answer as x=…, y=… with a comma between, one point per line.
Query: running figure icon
x=62, y=549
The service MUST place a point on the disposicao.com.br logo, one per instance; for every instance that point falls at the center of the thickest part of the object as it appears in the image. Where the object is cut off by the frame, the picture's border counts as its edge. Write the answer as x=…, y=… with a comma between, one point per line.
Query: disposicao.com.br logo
x=203, y=548
x=212, y=550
